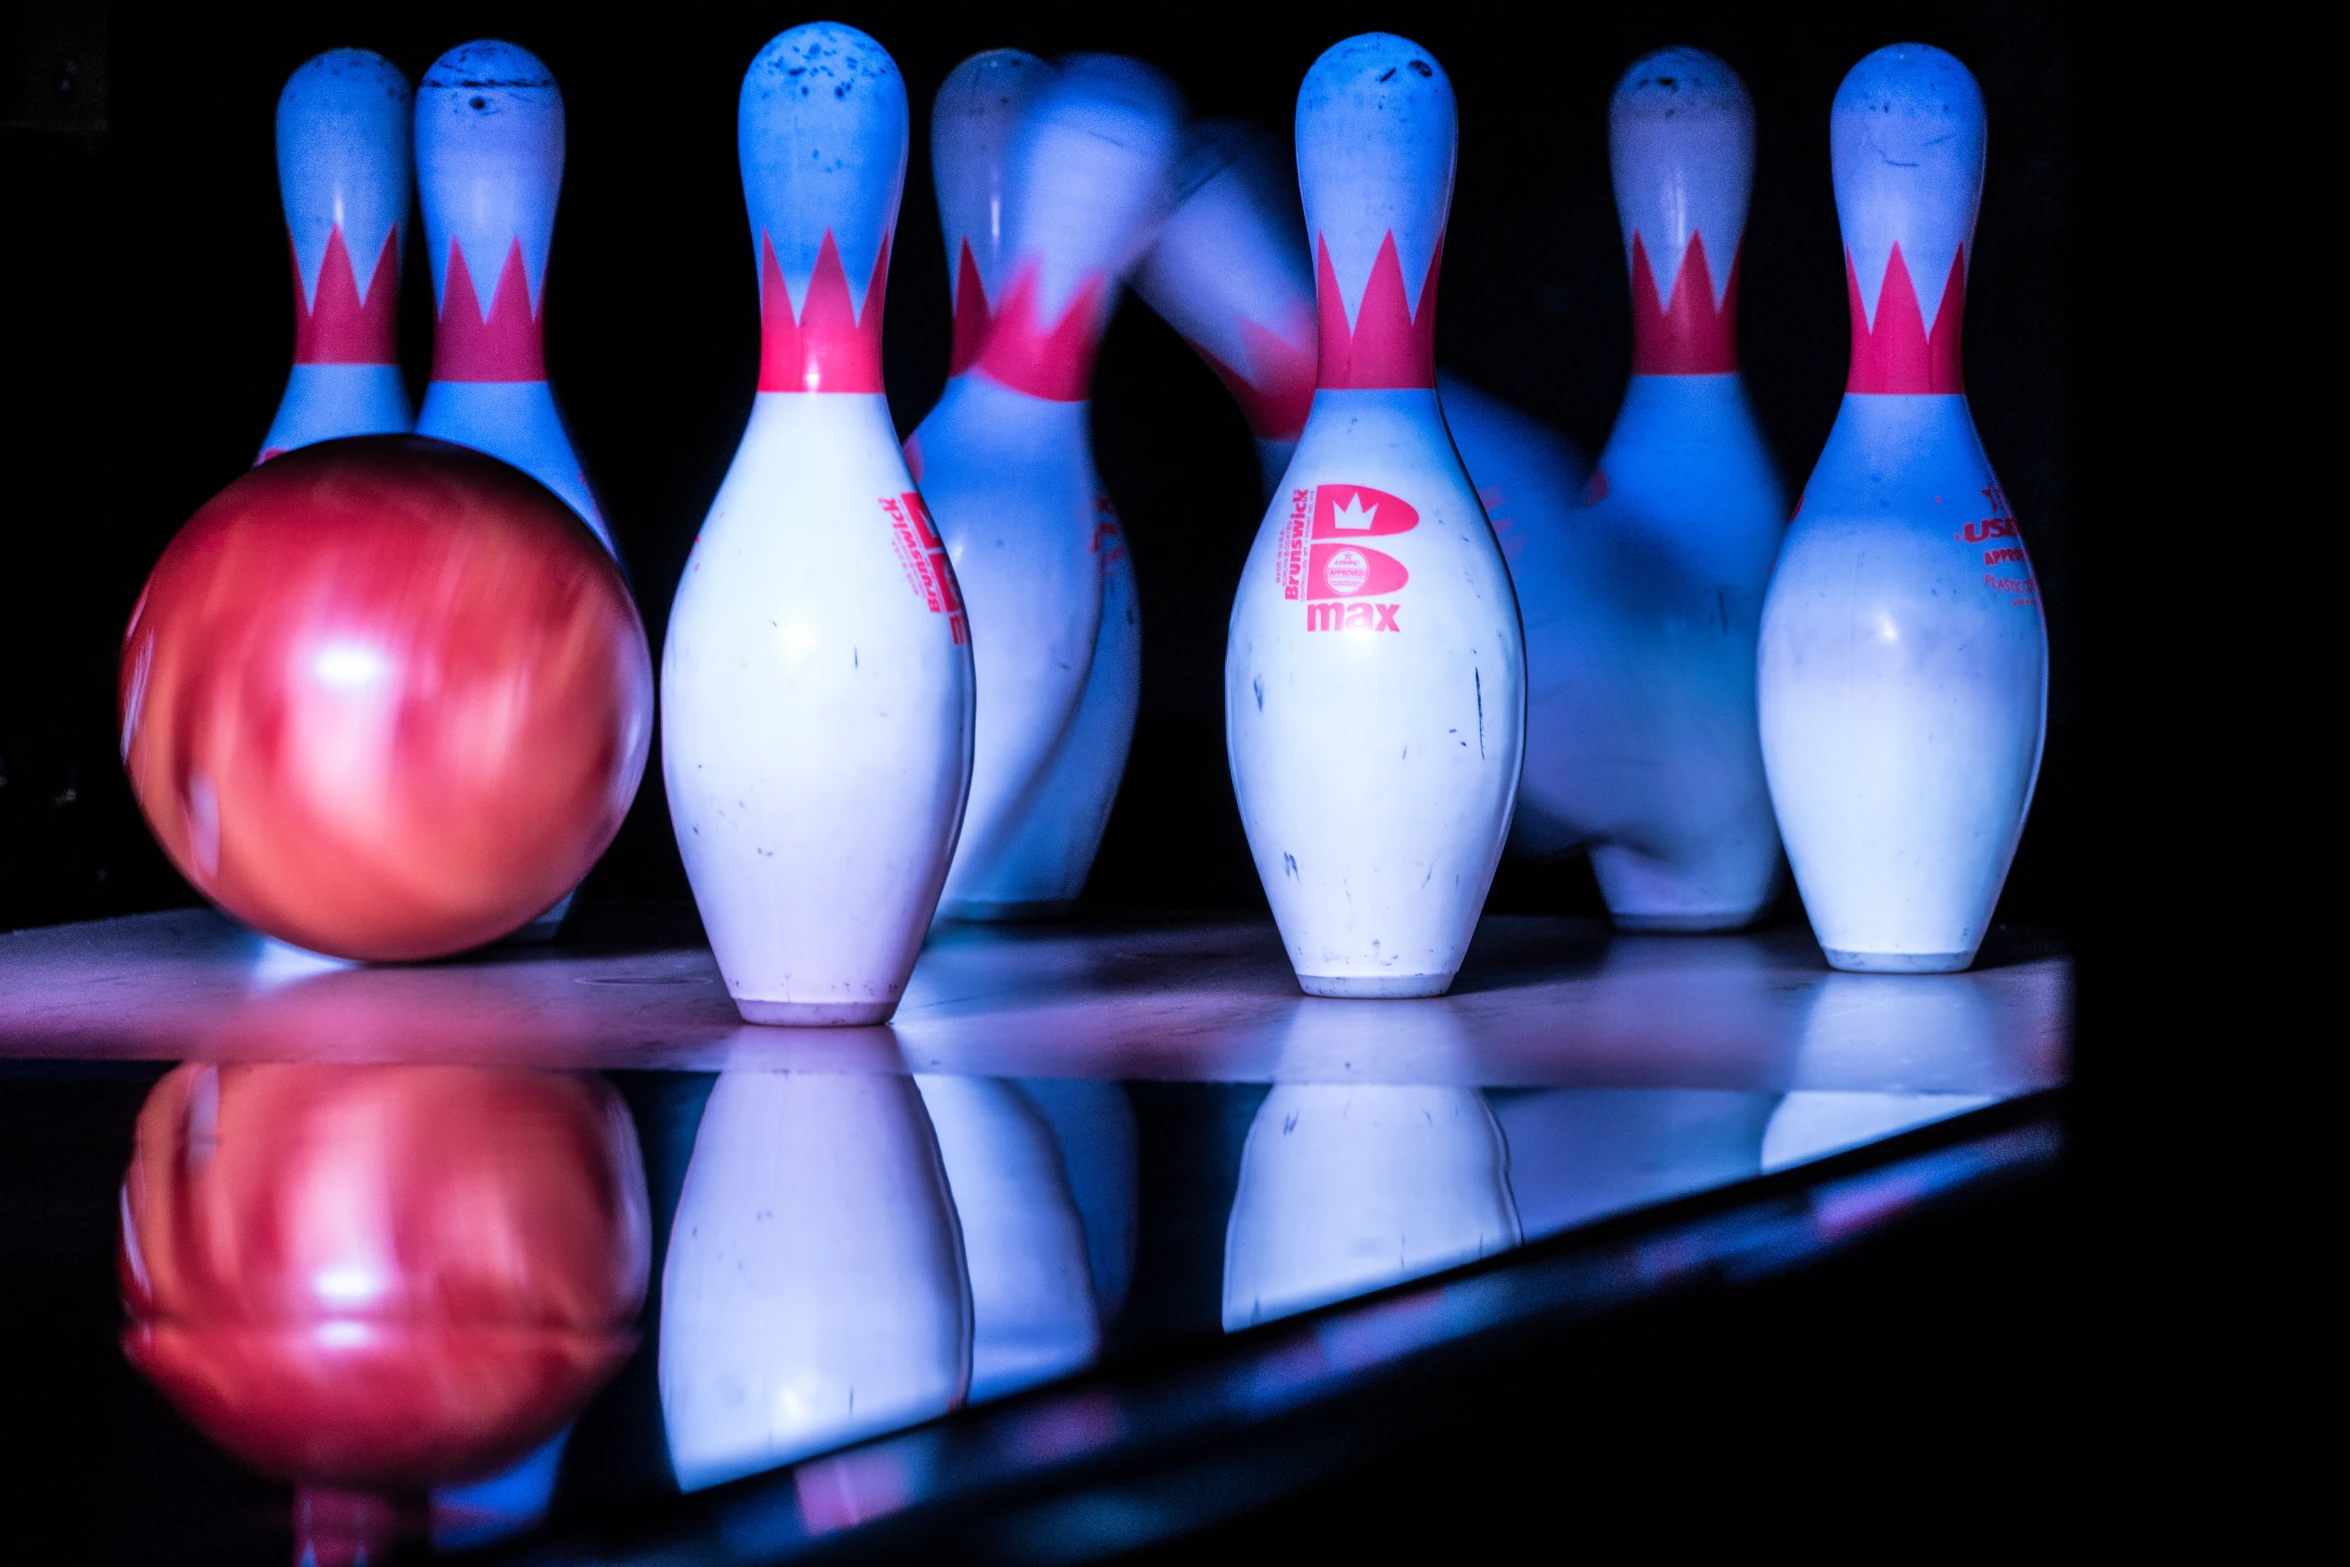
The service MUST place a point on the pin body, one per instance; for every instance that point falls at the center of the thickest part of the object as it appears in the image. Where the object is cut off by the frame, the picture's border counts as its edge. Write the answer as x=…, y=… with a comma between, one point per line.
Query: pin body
x=1006, y=458
x=344, y=176
x=816, y=684
x=1904, y=662
x=1642, y=603
x=1374, y=687
x=489, y=167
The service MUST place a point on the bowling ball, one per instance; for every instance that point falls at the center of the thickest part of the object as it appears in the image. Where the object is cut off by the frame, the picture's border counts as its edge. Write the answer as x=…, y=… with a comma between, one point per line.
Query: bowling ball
x=381, y=1278
x=385, y=698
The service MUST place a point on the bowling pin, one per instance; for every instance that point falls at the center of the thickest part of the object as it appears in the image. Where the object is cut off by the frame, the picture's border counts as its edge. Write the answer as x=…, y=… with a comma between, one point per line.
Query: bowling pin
x=814, y=1290
x=1642, y=605
x=1006, y=460
x=1374, y=681
x=1904, y=663
x=1032, y=1304
x=816, y=685
x=489, y=166
x=343, y=176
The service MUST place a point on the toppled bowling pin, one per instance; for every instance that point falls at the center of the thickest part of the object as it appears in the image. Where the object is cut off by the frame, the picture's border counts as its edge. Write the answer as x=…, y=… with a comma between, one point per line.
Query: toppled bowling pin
x=814, y=1290
x=343, y=174
x=489, y=168
x=1374, y=680
x=1642, y=607
x=1903, y=670
x=816, y=686
x=1006, y=460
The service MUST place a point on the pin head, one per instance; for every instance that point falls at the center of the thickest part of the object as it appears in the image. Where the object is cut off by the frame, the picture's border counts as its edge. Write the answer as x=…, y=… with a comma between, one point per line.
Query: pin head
x=1376, y=135
x=972, y=124
x=344, y=176
x=489, y=167
x=1906, y=138
x=822, y=135
x=1681, y=146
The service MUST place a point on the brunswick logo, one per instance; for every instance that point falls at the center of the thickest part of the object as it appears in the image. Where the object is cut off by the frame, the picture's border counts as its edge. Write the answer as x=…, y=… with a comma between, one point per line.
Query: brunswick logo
x=923, y=556
x=1322, y=561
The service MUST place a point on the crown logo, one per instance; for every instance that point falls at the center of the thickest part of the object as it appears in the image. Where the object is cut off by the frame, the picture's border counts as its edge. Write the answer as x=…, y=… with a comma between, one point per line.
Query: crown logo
x=1685, y=334
x=501, y=344
x=1387, y=347
x=828, y=347
x=1352, y=516
x=342, y=325
x=1056, y=362
x=1897, y=354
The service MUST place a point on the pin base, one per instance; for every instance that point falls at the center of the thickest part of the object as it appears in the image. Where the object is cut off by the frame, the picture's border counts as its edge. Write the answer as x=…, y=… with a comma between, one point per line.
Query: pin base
x=1375, y=987
x=1027, y=913
x=1898, y=962
x=816, y=1014
x=1684, y=924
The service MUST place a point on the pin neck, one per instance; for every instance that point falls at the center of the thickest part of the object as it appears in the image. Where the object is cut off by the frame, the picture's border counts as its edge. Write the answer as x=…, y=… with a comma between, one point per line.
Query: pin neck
x=1387, y=347
x=499, y=343
x=1677, y=326
x=1897, y=352
x=337, y=324
x=827, y=345
x=1053, y=362
x=974, y=317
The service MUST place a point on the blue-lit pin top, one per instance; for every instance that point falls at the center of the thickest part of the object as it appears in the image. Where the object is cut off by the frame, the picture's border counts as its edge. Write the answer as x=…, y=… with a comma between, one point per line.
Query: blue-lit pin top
x=1906, y=138
x=1090, y=174
x=822, y=135
x=972, y=124
x=489, y=163
x=343, y=162
x=1376, y=136
x=1681, y=147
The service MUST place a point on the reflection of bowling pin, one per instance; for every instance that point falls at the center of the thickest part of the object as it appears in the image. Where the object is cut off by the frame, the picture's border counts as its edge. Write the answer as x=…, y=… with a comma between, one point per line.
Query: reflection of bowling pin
x=1641, y=608
x=1579, y=1154
x=1094, y=1123
x=1007, y=461
x=1904, y=662
x=1032, y=1308
x=1374, y=682
x=816, y=687
x=1881, y=1055
x=343, y=174
x=814, y=1290
x=489, y=165
x=1347, y=1188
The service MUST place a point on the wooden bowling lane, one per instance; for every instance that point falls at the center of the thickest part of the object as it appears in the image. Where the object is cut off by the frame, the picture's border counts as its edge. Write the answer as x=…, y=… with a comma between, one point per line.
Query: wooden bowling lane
x=1541, y=1003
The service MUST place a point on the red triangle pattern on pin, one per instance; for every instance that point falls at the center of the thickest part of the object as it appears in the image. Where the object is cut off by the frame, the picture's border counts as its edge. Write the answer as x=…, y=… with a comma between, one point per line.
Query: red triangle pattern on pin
x=501, y=344
x=1897, y=355
x=829, y=347
x=1685, y=335
x=972, y=317
x=338, y=328
x=1387, y=348
x=1056, y=362
x=1277, y=390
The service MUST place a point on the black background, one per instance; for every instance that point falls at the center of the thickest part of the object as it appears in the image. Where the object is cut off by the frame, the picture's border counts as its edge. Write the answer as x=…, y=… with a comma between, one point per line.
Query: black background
x=149, y=332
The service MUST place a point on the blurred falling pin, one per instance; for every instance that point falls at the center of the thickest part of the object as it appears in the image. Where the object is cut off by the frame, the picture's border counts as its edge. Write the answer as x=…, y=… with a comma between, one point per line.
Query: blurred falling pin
x=1347, y=1187
x=1006, y=461
x=343, y=175
x=814, y=1292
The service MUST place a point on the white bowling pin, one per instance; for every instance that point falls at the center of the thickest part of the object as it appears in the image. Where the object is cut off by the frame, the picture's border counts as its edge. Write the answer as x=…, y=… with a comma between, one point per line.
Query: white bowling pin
x=343, y=176
x=1006, y=460
x=1032, y=1305
x=489, y=167
x=814, y=1291
x=1374, y=682
x=1229, y=272
x=1642, y=606
x=1904, y=663
x=816, y=685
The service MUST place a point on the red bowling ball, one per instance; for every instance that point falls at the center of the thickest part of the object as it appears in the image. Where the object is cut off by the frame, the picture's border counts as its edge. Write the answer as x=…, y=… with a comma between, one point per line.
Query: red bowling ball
x=385, y=698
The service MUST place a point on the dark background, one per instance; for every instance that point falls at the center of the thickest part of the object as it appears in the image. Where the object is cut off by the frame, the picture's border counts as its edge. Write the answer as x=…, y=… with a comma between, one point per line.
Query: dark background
x=148, y=333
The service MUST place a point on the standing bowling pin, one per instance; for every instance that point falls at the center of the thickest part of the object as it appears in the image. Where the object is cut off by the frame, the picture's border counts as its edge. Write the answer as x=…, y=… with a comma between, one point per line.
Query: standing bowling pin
x=1006, y=459
x=1904, y=662
x=1642, y=608
x=1374, y=682
x=489, y=166
x=816, y=686
x=343, y=175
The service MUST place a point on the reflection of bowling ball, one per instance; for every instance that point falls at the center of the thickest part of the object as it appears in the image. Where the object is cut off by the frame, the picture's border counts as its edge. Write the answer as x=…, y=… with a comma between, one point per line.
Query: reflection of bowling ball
x=385, y=698
x=382, y=1278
